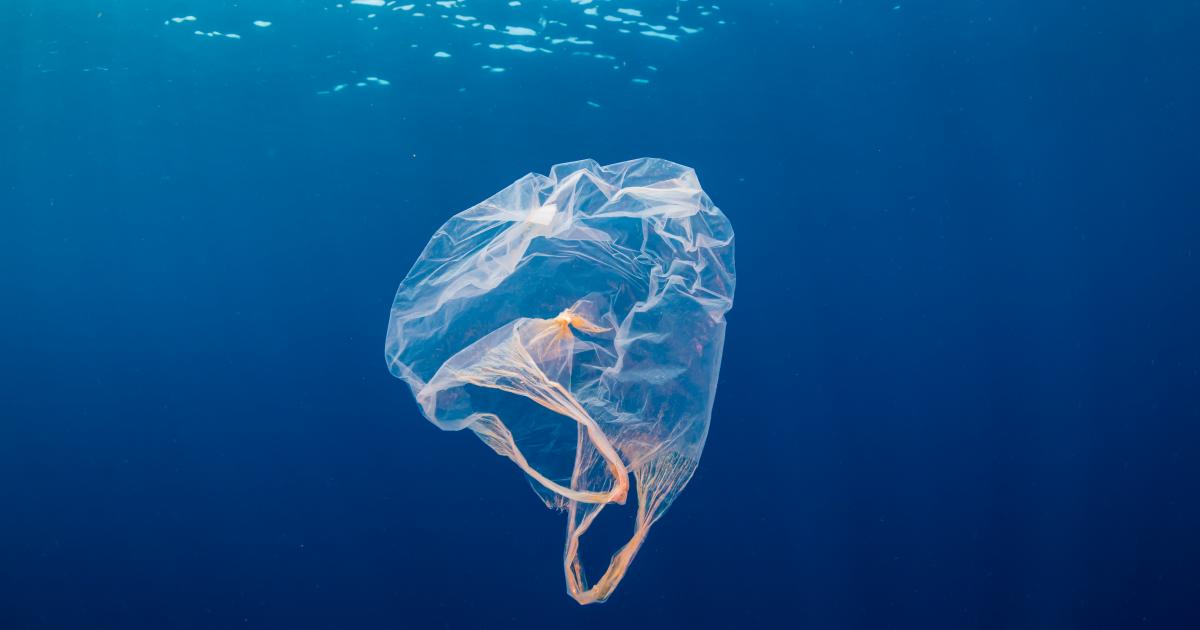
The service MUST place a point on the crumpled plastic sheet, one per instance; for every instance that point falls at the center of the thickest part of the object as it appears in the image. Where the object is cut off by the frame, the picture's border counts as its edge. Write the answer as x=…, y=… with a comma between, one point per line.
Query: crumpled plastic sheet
x=575, y=323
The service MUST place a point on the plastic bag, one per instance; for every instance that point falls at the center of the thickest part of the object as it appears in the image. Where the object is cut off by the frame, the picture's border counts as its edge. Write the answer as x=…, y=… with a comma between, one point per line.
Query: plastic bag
x=575, y=324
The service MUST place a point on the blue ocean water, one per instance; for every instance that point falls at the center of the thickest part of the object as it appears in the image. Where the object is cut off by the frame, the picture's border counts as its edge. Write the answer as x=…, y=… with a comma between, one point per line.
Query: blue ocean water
x=961, y=379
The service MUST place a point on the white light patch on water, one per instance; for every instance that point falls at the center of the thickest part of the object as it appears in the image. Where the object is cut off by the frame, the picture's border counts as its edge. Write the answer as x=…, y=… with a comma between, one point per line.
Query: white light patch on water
x=218, y=34
x=573, y=28
x=366, y=82
x=666, y=36
x=572, y=40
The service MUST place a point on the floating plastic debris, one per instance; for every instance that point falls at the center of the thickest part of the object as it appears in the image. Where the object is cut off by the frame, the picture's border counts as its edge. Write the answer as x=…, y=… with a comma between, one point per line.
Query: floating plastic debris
x=575, y=323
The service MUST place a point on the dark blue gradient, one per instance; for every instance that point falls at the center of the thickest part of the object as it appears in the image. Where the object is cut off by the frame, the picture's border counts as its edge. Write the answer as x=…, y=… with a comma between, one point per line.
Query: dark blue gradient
x=961, y=383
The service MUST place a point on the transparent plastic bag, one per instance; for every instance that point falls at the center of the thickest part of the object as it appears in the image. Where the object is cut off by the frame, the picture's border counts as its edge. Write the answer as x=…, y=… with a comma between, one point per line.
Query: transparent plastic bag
x=575, y=324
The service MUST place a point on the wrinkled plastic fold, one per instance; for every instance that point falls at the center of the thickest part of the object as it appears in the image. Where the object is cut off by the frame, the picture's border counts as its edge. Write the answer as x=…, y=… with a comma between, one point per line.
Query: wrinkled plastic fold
x=575, y=323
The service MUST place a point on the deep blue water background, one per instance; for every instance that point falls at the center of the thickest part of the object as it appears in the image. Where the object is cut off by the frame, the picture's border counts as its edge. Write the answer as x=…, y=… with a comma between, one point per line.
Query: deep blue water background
x=961, y=382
